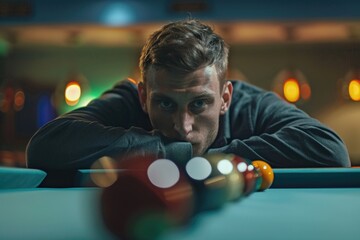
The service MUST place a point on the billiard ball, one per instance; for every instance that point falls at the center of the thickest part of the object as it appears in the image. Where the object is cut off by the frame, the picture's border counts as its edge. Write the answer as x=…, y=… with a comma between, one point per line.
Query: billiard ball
x=215, y=180
x=245, y=167
x=226, y=166
x=267, y=174
x=146, y=199
x=258, y=178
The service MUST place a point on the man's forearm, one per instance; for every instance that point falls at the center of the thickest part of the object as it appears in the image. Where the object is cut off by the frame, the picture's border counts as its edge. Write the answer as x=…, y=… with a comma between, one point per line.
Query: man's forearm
x=292, y=147
x=74, y=144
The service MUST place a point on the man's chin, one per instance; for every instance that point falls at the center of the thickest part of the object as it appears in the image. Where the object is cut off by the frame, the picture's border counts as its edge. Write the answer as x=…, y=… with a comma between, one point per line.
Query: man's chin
x=197, y=150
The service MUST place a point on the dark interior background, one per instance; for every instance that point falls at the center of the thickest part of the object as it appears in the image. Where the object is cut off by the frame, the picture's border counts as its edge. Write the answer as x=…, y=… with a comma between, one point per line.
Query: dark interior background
x=45, y=44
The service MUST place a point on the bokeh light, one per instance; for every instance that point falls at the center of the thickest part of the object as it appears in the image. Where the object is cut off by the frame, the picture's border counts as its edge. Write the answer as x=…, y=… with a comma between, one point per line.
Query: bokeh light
x=45, y=110
x=104, y=172
x=251, y=167
x=291, y=90
x=163, y=173
x=242, y=167
x=354, y=90
x=225, y=166
x=19, y=100
x=72, y=93
x=198, y=168
x=292, y=85
x=305, y=91
x=118, y=14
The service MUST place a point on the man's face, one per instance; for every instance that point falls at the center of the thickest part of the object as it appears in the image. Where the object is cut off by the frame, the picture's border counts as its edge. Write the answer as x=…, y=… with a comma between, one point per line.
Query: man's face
x=186, y=107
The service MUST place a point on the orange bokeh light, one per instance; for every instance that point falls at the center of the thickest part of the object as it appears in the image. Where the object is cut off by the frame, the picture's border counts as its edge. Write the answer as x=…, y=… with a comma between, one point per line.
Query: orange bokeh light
x=291, y=90
x=354, y=90
x=19, y=100
x=305, y=91
x=72, y=93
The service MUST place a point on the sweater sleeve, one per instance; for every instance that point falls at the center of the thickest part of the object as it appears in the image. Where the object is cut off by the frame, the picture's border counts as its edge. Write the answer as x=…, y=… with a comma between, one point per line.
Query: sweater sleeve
x=270, y=129
x=113, y=125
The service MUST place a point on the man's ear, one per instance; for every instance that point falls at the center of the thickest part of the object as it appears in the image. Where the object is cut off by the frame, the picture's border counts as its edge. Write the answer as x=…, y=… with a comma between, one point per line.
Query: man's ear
x=226, y=97
x=142, y=96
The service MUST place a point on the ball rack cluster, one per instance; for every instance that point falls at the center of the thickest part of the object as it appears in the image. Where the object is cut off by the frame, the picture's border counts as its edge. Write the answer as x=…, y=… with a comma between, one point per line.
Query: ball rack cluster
x=152, y=195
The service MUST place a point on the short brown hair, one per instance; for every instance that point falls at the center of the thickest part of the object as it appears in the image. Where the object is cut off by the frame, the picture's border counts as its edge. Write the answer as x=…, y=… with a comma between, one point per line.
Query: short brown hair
x=183, y=47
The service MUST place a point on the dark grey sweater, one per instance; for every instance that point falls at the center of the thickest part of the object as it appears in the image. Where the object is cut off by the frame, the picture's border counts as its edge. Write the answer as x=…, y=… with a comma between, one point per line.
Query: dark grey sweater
x=258, y=125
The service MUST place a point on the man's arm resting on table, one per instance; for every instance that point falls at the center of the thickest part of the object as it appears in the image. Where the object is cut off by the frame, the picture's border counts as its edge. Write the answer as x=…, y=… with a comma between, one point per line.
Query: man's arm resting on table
x=306, y=152
x=74, y=144
x=285, y=136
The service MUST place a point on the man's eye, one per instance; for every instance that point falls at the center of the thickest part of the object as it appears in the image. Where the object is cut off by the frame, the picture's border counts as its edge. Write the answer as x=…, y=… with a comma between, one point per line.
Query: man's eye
x=166, y=105
x=198, y=104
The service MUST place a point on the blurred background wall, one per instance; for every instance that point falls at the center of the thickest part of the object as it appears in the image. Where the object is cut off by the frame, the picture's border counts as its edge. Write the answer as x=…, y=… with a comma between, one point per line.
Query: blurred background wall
x=46, y=45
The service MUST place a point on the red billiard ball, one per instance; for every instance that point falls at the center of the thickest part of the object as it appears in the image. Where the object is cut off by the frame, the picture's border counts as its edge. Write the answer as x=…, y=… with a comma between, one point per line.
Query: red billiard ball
x=267, y=174
x=147, y=198
x=245, y=167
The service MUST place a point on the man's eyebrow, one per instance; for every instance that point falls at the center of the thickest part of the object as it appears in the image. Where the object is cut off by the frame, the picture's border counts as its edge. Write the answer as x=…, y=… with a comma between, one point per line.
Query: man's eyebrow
x=204, y=95
x=159, y=95
x=197, y=96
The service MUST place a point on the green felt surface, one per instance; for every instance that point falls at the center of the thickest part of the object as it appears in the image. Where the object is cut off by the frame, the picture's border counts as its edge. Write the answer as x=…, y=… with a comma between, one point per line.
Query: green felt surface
x=73, y=213
x=50, y=213
x=282, y=214
x=316, y=177
x=20, y=177
x=321, y=203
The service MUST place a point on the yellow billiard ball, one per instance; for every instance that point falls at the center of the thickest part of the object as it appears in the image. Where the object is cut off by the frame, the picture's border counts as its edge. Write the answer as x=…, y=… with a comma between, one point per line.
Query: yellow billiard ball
x=266, y=172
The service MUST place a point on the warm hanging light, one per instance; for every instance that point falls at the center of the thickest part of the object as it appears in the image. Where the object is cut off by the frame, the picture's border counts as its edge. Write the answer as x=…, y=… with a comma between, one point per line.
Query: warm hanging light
x=351, y=86
x=19, y=99
x=292, y=86
x=354, y=90
x=291, y=90
x=72, y=93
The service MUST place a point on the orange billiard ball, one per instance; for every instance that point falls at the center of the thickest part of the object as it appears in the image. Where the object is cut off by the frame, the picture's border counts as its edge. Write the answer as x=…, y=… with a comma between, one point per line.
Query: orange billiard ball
x=266, y=172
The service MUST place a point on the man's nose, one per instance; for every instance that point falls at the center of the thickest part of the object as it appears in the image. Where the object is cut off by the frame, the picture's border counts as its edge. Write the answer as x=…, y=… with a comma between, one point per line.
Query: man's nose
x=183, y=123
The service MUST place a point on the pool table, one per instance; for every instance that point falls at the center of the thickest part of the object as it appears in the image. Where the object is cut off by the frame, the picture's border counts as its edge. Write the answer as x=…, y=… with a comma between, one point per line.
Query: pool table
x=321, y=203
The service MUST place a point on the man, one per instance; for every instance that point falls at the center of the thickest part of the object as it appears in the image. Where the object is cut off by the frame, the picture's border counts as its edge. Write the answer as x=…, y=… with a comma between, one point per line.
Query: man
x=184, y=107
